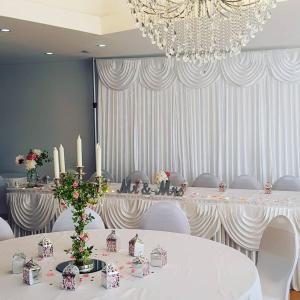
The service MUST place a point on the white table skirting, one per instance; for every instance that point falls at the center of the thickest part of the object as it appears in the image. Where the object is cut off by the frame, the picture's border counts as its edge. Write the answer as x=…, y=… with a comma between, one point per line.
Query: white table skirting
x=236, y=218
x=219, y=273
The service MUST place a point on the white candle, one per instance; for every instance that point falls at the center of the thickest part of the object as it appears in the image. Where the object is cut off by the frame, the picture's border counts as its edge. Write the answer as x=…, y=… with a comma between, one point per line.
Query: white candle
x=56, y=163
x=98, y=160
x=79, y=152
x=62, y=159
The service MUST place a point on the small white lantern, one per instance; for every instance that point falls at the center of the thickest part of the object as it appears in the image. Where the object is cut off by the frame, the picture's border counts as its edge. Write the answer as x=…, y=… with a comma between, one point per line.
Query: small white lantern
x=268, y=188
x=18, y=263
x=45, y=248
x=136, y=246
x=110, y=277
x=140, y=267
x=70, y=278
x=112, y=242
x=31, y=273
x=158, y=257
x=222, y=187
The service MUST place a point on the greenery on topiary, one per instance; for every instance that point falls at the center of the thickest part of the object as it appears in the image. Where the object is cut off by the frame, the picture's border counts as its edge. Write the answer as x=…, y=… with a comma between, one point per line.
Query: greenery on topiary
x=79, y=194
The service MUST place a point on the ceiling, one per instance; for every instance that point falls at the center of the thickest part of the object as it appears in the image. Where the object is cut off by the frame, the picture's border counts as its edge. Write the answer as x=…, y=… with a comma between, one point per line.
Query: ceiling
x=68, y=27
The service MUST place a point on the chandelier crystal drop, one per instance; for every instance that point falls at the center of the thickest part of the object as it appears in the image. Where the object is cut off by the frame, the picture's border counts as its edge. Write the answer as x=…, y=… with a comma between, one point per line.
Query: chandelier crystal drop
x=201, y=31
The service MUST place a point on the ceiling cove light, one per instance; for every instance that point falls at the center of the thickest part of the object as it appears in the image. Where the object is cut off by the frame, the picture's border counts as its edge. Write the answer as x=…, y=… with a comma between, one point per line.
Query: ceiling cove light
x=5, y=30
x=48, y=53
x=101, y=45
x=201, y=31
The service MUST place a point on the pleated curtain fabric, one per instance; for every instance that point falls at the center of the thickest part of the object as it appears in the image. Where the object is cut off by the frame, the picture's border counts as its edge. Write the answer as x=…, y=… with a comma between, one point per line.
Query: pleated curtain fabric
x=233, y=117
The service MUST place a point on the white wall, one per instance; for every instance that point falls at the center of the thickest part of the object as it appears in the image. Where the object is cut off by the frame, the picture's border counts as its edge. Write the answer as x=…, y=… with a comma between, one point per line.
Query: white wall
x=43, y=105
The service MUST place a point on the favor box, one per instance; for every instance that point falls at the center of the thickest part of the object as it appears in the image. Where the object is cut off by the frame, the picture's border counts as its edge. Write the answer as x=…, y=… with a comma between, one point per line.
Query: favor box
x=70, y=278
x=18, y=263
x=268, y=188
x=110, y=277
x=140, y=266
x=136, y=246
x=158, y=257
x=45, y=248
x=112, y=242
x=31, y=273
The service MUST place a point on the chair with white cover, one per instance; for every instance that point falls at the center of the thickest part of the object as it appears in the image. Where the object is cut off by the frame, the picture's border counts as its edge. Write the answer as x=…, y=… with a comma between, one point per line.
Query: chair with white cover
x=5, y=231
x=246, y=182
x=206, y=180
x=105, y=174
x=3, y=205
x=287, y=183
x=165, y=216
x=65, y=223
x=176, y=179
x=138, y=176
x=277, y=258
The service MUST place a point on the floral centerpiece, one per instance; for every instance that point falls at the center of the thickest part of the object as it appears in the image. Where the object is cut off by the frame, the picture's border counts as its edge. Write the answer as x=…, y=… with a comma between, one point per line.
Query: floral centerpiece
x=161, y=176
x=34, y=159
x=79, y=194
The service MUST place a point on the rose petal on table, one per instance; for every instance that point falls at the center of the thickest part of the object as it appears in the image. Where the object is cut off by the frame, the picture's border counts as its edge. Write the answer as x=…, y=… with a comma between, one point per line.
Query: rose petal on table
x=49, y=274
x=85, y=275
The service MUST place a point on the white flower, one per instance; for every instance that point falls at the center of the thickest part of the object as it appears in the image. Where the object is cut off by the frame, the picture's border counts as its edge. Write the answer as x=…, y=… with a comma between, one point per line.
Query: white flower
x=38, y=152
x=160, y=176
x=20, y=159
x=30, y=164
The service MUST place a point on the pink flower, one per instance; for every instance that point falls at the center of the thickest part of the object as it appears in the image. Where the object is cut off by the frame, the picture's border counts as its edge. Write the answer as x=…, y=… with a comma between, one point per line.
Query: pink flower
x=63, y=204
x=83, y=236
x=81, y=249
x=75, y=195
x=74, y=184
x=31, y=156
x=168, y=173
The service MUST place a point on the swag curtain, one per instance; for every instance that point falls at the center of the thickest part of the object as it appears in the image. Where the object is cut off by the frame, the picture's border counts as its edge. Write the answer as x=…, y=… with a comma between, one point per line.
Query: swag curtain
x=233, y=117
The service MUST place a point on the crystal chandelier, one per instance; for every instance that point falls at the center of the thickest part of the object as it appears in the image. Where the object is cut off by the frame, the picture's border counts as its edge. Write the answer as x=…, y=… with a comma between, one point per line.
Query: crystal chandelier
x=201, y=30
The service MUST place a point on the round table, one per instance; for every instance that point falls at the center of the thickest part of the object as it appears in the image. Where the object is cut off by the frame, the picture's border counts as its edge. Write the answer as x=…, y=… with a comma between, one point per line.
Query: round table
x=197, y=269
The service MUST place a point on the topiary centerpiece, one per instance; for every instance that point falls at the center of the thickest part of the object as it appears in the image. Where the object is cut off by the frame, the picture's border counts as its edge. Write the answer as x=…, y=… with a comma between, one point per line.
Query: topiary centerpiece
x=76, y=193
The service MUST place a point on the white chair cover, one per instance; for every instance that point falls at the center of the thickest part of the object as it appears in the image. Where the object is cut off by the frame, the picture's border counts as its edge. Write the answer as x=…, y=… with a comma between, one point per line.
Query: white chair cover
x=176, y=179
x=3, y=205
x=5, y=231
x=165, y=216
x=105, y=174
x=246, y=182
x=277, y=258
x=287, y=183
x=64, y=221
x=206, y=180
x=138, y=176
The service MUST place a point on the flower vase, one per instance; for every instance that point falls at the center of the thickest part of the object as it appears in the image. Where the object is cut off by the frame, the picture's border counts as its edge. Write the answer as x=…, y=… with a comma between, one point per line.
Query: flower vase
x=32, y=178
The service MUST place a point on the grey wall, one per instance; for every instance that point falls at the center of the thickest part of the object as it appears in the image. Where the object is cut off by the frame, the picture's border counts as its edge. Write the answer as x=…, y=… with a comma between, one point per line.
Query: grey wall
x=43, y=105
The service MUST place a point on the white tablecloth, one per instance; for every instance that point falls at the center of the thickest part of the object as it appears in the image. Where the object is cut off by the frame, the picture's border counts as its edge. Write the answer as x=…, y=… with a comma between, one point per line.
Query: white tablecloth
x=197, y=269
x=236, y=218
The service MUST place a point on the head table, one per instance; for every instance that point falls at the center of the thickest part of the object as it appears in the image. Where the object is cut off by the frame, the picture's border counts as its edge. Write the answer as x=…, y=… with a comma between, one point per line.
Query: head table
x=194, y=266
x=236, y=218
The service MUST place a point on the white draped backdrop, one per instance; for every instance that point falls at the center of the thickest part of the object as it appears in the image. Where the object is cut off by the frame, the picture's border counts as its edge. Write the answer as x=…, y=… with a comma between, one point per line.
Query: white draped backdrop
x=238, y=116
